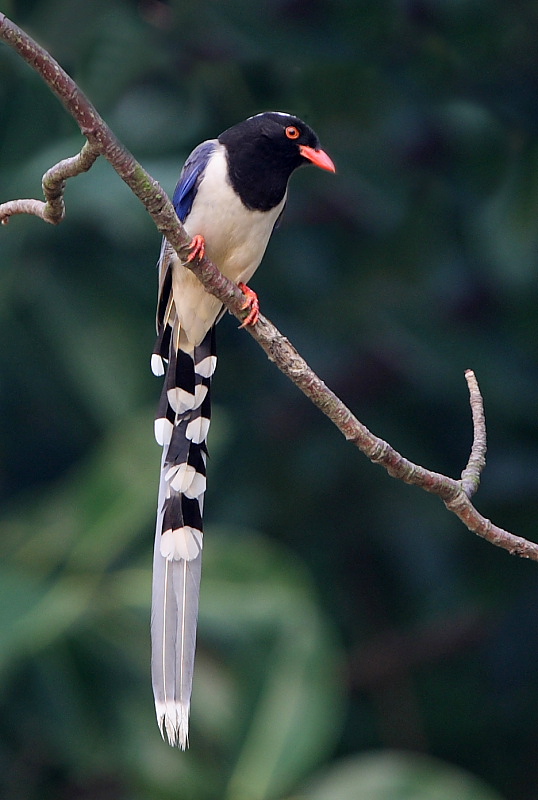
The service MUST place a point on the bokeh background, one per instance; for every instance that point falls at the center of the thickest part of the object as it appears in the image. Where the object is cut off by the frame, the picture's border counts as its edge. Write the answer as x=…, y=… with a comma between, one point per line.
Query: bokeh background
x=355, y=640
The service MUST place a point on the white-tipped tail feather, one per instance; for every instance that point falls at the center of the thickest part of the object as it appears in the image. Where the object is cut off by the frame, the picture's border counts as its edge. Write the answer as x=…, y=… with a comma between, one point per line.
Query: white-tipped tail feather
x=173, y=721
x=181, y=428
x=176, y=583
x=181, y=544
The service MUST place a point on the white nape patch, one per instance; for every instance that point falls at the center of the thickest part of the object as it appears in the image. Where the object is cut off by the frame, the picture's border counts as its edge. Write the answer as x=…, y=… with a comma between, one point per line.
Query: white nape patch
x=157, y=365
x=263, y=113
x=173, y=722
x=181, y=544
x=163, y=431
x=199, y=395
x=197, y=430
x=181, y=400
x=206, y=367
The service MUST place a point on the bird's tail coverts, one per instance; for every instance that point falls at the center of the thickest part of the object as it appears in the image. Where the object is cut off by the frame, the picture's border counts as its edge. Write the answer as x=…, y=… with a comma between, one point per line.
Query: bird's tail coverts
x=181, y=428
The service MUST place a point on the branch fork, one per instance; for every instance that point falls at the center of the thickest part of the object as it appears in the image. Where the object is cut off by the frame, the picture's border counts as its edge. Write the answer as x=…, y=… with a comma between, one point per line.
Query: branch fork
x=100, y=141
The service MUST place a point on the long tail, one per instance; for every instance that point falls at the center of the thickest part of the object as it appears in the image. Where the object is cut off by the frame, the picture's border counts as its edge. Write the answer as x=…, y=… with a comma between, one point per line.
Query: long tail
x=181, y=428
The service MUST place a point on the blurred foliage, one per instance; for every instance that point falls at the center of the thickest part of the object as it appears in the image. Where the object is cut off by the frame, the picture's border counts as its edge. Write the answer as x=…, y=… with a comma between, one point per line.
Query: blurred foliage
x=341, y=612
x=406, y=776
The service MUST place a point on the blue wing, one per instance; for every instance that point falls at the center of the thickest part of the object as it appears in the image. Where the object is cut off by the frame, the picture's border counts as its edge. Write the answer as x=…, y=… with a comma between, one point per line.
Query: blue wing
x=190, y=177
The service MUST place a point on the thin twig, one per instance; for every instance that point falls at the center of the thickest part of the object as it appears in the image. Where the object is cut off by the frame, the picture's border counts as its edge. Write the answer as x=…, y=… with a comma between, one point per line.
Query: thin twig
x=27, y=206
x=470, y=477
x=54, y=179
x=104, y=142
x=455, y=494
x=53, y=209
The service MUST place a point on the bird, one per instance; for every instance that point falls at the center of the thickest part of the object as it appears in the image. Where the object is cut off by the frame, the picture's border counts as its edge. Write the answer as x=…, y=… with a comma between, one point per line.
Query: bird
x=230, y=196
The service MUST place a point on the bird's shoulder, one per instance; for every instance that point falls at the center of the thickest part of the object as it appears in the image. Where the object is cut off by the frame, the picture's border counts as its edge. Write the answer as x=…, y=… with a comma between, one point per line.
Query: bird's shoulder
x=191, y=175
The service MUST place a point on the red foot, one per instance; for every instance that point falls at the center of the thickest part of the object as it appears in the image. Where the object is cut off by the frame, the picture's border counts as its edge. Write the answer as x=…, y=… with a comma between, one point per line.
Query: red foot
x=197, y=248
x=251, y=302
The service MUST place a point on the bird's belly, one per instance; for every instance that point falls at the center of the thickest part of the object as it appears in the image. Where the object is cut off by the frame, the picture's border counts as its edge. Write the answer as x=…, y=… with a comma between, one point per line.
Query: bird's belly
x=235, y=240
x=235, y=237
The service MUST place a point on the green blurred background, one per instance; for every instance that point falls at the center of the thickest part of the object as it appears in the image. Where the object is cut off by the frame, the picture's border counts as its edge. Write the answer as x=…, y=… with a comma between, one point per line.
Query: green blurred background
x=355, y=640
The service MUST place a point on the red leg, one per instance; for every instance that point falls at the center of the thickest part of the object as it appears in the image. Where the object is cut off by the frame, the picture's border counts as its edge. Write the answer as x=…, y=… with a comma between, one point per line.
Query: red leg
x=252, y=303
x=197, y=248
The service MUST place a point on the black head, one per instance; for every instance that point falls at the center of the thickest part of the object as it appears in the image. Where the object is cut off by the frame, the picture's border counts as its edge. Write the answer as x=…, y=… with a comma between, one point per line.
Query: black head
x=262, y=153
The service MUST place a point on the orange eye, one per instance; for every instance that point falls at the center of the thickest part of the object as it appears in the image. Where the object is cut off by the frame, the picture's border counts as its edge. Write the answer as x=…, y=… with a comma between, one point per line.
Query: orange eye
x=292, y=132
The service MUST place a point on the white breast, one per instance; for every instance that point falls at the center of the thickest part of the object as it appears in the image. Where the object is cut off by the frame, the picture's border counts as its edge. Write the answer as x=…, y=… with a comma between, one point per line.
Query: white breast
x=235, y=239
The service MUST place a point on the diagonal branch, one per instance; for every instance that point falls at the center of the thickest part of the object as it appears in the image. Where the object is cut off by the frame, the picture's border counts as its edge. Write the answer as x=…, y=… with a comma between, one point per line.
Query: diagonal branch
x=455, y=494
x=102, y=141
x=451, y=491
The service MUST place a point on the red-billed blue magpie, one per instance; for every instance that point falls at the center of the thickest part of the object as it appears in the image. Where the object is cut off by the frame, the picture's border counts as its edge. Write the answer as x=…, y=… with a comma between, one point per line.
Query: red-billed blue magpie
x=230, y=195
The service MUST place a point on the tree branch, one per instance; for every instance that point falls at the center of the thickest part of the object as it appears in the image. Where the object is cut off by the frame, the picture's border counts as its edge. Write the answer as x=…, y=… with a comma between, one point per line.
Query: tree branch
x=102, y=141
x=455, y=494
x=470, y=477
x=53, y=183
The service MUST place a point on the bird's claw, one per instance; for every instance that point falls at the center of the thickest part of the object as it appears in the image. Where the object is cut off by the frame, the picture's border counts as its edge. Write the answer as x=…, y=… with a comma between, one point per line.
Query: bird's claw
x=197, y=248
x=252, y=303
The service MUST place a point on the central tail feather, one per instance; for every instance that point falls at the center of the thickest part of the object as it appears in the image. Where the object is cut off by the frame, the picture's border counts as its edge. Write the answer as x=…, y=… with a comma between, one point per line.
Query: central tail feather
x=181, y=428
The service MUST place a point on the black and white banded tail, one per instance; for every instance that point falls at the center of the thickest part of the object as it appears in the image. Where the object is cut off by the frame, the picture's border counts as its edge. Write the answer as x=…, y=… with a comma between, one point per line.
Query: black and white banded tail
x=181, y=428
